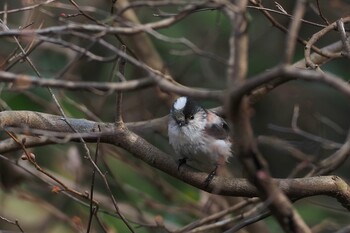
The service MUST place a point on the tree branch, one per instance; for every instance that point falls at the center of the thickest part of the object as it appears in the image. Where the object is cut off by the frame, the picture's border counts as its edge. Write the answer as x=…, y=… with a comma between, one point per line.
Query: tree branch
x=141, y=149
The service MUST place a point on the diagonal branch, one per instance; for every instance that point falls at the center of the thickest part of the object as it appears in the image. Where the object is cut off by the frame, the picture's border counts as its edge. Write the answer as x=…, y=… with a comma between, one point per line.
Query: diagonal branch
x=248, y=152
x=141, y=149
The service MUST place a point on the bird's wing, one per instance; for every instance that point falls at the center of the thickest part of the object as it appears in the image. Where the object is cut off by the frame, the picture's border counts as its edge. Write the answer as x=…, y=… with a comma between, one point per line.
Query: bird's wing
x=217, y=128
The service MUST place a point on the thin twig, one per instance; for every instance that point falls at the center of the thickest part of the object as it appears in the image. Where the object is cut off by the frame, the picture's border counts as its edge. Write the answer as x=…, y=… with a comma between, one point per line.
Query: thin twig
x=284, y=145
x=285, y=30
x=320, y=12
x=93, y=208
x=27, y=81
x=121, y=78
x=26, y=8
x=31, y=159
x=293, y=31
x=217, y=216
x=286, y=14
x=343, y=36
x=99, y=221
x=103, y=176
x=16, y=223
x=315, y=37
x=84, y=13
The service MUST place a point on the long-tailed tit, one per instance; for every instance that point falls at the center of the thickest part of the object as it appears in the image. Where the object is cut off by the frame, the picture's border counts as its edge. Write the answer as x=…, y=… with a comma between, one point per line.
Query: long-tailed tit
x=199, y=136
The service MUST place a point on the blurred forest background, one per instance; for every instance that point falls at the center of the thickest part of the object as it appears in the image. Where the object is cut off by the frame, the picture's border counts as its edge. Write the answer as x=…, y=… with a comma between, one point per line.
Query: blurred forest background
x=146, y=196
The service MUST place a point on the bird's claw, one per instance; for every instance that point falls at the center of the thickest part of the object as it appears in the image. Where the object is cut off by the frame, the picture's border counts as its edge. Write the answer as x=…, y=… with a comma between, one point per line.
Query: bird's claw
x=210, y=177
x=181, y=162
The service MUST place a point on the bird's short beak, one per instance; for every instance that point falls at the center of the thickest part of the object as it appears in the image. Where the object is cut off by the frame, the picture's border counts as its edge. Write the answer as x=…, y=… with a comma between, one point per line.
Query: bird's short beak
x=181, y=123
x=180, y=119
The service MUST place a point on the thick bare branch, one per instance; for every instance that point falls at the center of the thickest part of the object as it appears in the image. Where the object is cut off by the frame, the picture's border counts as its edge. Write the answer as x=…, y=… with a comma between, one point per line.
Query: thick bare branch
x=141, y=149
x=254, y=163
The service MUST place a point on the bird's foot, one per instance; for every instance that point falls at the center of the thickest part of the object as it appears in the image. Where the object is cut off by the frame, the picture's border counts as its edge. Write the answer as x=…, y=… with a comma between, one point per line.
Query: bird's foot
x=181, y=162
x=210, y=177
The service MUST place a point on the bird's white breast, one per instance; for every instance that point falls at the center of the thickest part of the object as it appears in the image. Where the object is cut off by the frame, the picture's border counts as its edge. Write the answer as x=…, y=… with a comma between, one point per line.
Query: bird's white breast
x=203, y=152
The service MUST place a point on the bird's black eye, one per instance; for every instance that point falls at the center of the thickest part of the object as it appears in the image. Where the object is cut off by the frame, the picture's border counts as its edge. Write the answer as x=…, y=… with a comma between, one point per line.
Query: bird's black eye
x=191, y=117
x=225, y=126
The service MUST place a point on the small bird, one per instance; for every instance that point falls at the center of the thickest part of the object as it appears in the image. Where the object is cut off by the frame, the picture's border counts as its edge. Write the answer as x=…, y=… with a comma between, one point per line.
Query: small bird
x=199, y=136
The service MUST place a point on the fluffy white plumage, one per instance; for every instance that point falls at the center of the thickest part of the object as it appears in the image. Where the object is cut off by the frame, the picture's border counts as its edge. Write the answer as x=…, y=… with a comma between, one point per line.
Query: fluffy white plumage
x=198, y=135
